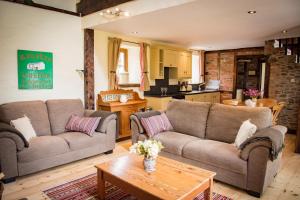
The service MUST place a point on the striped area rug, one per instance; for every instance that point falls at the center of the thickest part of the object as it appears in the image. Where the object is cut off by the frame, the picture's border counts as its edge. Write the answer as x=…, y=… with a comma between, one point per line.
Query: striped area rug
x=85, y=189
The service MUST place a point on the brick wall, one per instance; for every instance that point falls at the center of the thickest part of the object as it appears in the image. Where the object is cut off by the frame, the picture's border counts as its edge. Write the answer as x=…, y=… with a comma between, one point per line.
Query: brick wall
x=283, y=70
x=221, y=65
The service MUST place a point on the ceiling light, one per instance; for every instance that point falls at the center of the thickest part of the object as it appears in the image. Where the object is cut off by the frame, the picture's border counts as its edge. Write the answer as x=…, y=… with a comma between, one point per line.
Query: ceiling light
x=134, y=32
x=251, y=12
x=284, y=31
x=113, y=13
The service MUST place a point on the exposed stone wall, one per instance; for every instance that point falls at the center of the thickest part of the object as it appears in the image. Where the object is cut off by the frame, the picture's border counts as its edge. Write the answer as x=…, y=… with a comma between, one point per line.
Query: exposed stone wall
x=284, y=83
x=89, y=98
x=220, y=65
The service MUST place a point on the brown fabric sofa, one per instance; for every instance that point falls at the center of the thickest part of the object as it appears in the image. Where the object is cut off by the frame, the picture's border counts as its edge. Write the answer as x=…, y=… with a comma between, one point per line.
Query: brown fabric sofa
x=204, y=134
x=53, y=146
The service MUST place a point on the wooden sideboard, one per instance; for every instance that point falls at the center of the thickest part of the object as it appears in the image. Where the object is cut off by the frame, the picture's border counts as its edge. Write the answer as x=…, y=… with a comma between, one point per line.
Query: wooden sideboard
x=110, y=101
x=298, y=135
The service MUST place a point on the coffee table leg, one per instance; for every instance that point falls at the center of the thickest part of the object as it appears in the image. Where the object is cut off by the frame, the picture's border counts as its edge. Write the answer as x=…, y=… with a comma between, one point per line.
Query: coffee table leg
x=101, y=185
x=208, y=191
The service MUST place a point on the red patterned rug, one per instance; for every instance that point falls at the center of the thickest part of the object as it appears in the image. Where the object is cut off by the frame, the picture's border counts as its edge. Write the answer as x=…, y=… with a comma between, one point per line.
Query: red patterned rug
x=85, y=189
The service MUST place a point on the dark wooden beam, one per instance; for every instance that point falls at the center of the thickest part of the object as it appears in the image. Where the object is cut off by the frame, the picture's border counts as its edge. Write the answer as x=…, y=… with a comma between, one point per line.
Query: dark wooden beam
x=89, y=96
x=86, y=7
x=36, y=5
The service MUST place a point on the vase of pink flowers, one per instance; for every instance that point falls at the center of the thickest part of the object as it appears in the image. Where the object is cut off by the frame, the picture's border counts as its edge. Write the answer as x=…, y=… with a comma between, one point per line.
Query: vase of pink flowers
x=252, y=93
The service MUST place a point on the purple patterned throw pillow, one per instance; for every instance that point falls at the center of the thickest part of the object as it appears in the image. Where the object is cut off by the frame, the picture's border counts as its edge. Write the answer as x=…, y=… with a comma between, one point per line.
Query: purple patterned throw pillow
x=156, y=124
x=85, y=125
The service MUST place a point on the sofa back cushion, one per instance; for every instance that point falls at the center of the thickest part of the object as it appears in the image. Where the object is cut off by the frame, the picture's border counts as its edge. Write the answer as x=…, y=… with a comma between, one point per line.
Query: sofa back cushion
x=36, y=111
x=224, y=121
x=60, y=111
x=188, y=117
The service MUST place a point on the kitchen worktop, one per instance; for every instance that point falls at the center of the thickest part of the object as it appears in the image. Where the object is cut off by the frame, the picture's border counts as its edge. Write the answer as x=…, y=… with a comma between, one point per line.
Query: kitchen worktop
x=182, y=93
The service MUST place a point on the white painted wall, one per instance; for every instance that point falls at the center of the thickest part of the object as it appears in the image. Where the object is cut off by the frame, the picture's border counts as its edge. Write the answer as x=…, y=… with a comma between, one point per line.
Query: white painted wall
x=29, y=28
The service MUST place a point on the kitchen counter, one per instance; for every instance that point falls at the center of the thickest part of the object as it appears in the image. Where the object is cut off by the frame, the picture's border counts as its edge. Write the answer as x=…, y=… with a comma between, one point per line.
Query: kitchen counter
x=182, y=93
x=158, y=102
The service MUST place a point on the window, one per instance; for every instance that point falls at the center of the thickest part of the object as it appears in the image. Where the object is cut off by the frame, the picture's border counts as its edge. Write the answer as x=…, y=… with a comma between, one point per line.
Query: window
x=197, y=69
x=123, y=61
x=128, y=69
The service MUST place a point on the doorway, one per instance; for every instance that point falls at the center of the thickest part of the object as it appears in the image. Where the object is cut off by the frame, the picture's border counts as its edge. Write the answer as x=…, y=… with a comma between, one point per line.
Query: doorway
x=252, y=71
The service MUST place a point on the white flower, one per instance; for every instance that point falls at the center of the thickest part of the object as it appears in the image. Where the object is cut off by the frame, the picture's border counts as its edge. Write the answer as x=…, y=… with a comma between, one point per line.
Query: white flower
x=148, y=148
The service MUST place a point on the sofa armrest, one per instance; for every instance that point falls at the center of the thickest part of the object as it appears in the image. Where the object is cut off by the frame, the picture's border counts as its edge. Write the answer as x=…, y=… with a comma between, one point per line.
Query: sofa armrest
x=19, y=143
x=106, y=117
x=8, y=158
x=271, y=138
x=7, y=131
x=245, y=153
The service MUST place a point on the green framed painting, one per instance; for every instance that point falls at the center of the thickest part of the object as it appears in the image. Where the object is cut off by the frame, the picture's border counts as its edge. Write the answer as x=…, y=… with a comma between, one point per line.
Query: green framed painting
x=35, y=70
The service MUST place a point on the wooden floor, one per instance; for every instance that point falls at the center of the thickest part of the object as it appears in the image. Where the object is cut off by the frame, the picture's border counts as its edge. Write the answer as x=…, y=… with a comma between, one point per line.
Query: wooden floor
x=286, y=185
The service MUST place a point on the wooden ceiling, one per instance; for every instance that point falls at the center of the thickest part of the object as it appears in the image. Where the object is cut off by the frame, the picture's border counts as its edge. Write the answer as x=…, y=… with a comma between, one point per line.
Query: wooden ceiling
x=85, y=7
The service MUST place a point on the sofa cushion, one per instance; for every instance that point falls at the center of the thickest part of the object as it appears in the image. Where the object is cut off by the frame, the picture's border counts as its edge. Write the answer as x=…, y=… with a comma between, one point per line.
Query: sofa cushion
x=60, y=112
x=36, y=111
x=188, y=117
x=43, y=146
x=224, y=121
x=174, y=142
x=85, y=125
x=77, y=140
x=218, y=154
x=156, y=124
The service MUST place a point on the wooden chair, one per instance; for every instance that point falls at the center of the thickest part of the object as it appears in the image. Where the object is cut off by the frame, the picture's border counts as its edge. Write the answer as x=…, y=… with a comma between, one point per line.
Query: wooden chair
x=266, y=102
x=276, y=111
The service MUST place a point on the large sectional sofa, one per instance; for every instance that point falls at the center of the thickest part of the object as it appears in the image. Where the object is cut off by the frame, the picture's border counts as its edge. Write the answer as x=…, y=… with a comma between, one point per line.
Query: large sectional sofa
x=53, y=146
x=204, y=134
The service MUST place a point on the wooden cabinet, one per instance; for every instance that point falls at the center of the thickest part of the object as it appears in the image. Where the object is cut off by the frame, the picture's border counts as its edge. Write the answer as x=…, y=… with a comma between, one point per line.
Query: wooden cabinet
x=156, y=63
x=185, y=65
x=213, y=97
x=110, y=101
x=179, y=61
x=158, y=103
x=170, y=58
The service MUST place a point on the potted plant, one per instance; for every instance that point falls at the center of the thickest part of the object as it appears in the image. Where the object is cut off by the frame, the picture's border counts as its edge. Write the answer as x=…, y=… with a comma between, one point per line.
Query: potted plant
x=149, y=149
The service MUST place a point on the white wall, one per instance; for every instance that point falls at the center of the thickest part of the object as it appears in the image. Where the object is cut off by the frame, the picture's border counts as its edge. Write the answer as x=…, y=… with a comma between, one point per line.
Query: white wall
x=29, y=28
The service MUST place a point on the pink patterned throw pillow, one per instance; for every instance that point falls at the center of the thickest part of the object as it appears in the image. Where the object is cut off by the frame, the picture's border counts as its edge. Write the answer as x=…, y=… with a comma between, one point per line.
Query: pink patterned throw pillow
x=85, y=125
x=156, y=124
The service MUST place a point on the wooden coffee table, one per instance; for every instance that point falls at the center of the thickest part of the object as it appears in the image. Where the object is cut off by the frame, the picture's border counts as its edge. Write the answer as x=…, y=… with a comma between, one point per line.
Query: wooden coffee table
x=171, y=180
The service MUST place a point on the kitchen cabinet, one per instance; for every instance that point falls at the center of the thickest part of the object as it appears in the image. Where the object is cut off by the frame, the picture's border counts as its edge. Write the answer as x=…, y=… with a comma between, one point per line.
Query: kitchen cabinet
x=170, y=58
x=156, y=63
x=185, y=65
x=158, y=103
x=213, y=97
x=179, y=61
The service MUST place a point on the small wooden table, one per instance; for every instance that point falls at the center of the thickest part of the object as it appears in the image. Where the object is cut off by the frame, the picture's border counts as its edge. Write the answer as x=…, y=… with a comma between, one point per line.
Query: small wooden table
x=171, y=180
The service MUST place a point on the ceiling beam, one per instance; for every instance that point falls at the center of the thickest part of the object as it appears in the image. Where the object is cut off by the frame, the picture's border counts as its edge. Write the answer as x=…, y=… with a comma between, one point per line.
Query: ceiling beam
x=37, y=5
x=86, y=7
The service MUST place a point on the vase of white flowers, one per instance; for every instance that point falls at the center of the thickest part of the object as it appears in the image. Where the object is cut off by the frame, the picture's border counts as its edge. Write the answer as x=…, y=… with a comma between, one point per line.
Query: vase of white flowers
x=149, y=149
